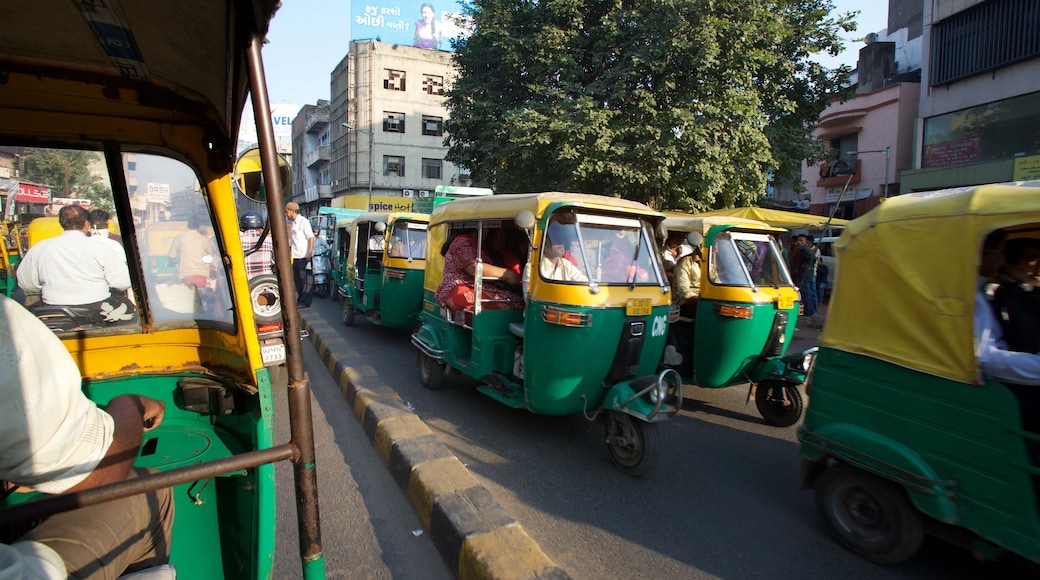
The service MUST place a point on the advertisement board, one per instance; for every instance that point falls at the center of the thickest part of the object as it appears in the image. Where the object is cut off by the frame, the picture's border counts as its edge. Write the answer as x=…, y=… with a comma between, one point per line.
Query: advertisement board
x=158, y=192
x=282, y=115
x=31, y=193
x=429, y=25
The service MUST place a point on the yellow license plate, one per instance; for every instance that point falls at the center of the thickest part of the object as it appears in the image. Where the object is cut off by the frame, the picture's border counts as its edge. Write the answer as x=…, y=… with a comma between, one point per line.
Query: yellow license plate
x=785, y=303
x=637, y=307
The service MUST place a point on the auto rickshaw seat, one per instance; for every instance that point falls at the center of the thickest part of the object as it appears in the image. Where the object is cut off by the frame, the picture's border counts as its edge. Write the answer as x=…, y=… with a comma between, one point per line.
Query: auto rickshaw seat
x=517, y=329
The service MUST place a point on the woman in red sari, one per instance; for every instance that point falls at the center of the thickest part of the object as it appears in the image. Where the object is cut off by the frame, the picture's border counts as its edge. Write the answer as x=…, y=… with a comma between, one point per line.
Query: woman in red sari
x=456, y=291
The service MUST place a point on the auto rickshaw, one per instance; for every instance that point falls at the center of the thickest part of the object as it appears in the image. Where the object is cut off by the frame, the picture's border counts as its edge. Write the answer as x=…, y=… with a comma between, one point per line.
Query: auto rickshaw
x=738, y=330
x=585, y=336
x=10, y=254
x=383, y=272
x=904, y=435
x=124, y=88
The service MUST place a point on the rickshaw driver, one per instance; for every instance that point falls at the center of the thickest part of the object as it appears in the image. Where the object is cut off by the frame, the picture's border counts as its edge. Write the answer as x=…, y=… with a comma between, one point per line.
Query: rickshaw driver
x=554, y=264
x=55, y=440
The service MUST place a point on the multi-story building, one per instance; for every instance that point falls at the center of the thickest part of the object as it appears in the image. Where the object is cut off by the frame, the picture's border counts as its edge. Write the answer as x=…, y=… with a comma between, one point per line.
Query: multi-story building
x=387, y=124
x=312, y=170
x=871, y=136
x=980, y=106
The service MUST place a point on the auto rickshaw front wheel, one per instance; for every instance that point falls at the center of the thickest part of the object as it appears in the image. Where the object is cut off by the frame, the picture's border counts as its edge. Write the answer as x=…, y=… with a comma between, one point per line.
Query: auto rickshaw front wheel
x=868, y=515
x=431, y=372
x=779, y=402
x=632, y=443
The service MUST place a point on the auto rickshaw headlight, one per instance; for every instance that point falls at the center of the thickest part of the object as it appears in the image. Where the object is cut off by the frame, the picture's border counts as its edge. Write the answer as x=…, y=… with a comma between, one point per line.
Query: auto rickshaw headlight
x=554, y=315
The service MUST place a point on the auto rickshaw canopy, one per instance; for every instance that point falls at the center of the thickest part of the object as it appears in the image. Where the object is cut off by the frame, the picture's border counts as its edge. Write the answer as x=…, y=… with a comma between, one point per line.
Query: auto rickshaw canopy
x=506, y=206
x=907, y=272
x=700, y=223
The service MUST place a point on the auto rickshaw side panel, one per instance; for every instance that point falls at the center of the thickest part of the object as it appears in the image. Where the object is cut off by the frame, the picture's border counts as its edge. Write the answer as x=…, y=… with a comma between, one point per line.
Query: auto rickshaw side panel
x=957, y=448
x=401, y=295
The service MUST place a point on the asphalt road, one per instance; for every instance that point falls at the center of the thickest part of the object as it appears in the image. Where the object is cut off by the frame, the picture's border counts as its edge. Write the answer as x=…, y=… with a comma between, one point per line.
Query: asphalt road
x=723, y=502
x=368, y=528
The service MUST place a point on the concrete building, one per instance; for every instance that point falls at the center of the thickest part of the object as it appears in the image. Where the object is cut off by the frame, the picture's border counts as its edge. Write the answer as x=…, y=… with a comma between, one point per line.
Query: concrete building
x=387, y=120
x=871, y=136
x=312, y=170
x=980, y=105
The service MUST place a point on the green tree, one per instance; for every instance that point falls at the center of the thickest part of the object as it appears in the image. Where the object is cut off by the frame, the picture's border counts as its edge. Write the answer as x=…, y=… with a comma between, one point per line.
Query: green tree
x=68, y=174
x=686, y=104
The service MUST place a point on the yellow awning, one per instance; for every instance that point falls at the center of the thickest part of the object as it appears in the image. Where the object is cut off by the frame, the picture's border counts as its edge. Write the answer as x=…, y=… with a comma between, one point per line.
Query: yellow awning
x=774, y=217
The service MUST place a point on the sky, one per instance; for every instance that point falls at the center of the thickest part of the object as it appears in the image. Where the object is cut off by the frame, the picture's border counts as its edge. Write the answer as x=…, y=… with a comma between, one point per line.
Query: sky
x=308, y=38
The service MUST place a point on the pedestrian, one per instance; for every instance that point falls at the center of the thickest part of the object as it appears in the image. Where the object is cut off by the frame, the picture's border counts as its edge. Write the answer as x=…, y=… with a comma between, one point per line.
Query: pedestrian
x=301, y=246
x=803, y=262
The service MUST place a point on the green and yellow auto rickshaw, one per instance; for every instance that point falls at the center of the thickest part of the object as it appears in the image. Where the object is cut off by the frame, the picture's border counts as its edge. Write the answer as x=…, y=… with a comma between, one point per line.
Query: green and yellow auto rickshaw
x=737, y=331
x=10, y=254
x=904, y=435
x=584, y=331
x=148, y=101
x=383, y=271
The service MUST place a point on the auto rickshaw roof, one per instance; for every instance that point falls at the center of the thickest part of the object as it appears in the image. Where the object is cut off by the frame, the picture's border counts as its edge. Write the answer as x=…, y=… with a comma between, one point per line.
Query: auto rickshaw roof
x=386, y=216
x=777, y=218
x=506, y=206
x=907, y=271
x=127, y=61
x=693, y=223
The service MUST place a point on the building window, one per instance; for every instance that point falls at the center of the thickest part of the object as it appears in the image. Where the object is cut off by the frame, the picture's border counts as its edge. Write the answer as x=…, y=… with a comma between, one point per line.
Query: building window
x=393, y=80
x=994, y=131
x=432, y=126
x=985, y=37
x=393, y=165
x=432, y=168
x=432, y=84
x=393, y=122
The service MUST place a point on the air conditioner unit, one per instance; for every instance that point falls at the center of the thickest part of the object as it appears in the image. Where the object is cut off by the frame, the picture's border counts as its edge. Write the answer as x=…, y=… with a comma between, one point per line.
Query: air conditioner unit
x=409, y=192
x=424, y=193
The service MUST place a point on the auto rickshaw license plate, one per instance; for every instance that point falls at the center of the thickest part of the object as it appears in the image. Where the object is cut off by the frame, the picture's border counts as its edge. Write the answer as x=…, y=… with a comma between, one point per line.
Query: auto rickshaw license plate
x=637, y=307
x=785, y=303
x=273, y=354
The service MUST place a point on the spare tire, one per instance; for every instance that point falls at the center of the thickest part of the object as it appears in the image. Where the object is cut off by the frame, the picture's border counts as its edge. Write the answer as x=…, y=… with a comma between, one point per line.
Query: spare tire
x=265, y=298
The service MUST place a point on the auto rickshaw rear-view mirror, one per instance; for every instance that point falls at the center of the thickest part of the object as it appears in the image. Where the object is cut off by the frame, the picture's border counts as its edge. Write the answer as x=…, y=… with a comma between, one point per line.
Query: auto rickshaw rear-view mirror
x=695, y=239
x=249, y=175
x=524, y=220
x=380, y=227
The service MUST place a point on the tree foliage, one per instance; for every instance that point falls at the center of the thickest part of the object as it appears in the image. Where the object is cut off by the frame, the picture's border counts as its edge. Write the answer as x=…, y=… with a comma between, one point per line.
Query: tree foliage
x=68, y=174
x=686, y=104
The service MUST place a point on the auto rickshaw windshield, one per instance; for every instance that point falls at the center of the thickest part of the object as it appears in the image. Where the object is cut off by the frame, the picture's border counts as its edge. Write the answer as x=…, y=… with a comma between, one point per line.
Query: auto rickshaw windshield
x=747, y=259
x=608, y=250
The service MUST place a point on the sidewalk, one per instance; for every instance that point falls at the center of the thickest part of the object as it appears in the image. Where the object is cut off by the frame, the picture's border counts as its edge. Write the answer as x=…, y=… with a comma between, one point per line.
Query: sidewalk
x=474, y=534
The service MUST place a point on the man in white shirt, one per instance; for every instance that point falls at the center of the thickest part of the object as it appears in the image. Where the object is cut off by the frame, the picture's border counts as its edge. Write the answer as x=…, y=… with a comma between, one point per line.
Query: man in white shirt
x=69, y=271
x=55, y=440
x=301, y=245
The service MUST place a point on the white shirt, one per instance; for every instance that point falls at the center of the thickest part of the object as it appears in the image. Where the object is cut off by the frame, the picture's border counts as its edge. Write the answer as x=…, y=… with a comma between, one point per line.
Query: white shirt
x=51, y=435
x=71, y=270
x=999, y=363
x=563, y=270
x=299, y=237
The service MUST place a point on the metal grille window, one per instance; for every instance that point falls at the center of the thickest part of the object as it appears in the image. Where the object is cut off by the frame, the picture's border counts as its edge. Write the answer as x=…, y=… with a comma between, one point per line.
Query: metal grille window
x=432, y=126
x=393, y=80
x=432, y=168
x=393, y=122
x=985, y=37
x=393, y=165
x=433, y=84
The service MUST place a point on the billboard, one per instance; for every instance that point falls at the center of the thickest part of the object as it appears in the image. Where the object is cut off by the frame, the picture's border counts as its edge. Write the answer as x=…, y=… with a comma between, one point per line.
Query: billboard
x=282, y=115
x=429, y=25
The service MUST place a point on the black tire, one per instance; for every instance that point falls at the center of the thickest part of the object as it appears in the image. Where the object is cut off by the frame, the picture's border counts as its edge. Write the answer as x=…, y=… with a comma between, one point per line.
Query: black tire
x=333, y=292
x=431, y=372
x=632, y=443
x=780, y=403
x=868, y=515
x=348, y=313
x=265, y=299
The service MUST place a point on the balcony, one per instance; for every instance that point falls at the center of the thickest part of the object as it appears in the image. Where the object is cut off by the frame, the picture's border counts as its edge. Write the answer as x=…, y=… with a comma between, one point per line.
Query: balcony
x=317, y=122
x=315, y=156
x=831, y=176
x=316, y=192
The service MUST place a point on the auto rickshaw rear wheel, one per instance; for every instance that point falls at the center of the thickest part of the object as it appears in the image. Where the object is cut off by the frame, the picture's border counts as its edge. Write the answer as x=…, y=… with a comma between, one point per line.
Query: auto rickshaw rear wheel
x=431, y=372
x=780, y=403
x=348, y=313
x=632, y=443
x=868, y=515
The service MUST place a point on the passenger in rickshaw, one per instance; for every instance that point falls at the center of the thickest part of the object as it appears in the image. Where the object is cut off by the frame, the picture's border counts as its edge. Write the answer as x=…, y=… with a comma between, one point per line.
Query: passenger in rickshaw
x=686, y=280
x=70, y=271
x=53, y=440
x=554, y=262
x=621, y=265
x=497, y=250
x=456, y=291
x=1016, y=301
